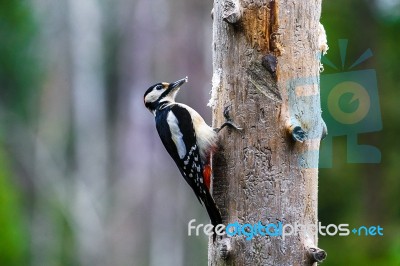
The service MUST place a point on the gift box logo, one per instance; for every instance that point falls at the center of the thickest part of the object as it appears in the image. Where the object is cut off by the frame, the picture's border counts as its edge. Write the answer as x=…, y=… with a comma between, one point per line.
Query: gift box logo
x=350, y=105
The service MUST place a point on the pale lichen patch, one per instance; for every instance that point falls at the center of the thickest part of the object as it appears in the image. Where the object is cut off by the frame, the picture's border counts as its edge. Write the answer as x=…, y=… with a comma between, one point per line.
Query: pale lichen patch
x=216, y=86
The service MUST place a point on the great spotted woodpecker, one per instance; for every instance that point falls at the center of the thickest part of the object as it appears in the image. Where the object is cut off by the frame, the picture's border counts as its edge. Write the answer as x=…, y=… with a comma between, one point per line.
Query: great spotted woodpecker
x=187, y=138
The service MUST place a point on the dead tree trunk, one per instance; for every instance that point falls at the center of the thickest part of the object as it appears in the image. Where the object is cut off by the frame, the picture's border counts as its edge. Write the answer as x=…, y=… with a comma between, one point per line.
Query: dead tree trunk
x=266, y=61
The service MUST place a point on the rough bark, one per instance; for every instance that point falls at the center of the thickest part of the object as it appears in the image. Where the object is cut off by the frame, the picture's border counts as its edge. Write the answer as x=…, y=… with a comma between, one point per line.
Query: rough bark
x=266, y=72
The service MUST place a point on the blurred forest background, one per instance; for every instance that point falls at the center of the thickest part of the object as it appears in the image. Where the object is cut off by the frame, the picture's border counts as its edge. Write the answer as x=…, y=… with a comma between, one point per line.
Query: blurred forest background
x=84, y=179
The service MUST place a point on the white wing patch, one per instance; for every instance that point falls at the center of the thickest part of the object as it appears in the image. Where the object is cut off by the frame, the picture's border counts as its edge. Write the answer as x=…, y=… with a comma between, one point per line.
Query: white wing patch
x=176, y=133
x=206, y=136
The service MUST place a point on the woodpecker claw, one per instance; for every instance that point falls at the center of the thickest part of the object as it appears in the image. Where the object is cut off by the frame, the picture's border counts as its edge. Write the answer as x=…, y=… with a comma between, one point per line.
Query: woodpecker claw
x=228, y=122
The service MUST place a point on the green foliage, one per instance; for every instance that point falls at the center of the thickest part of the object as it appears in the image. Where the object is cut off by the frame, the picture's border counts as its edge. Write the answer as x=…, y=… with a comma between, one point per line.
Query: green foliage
x=18, y=86
x=18, y=62
x=14, y=238
x=364, y=194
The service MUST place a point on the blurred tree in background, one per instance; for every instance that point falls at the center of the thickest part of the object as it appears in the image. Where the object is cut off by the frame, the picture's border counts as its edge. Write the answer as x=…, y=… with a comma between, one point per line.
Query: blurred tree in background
x=84, y=180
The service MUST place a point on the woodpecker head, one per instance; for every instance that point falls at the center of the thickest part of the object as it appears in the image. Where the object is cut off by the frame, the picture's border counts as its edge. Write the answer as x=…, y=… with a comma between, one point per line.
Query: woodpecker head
x=162, y=92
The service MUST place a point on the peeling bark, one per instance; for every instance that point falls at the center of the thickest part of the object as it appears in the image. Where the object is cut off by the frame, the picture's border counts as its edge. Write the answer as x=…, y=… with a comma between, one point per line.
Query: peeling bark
x=266, y=70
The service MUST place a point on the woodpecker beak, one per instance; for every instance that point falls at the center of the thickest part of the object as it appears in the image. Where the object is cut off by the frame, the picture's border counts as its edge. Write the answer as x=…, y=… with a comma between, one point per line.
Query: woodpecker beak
x=177, y=84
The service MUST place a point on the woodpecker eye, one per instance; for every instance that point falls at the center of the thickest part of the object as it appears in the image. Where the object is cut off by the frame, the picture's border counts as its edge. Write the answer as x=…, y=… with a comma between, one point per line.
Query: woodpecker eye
x=159, y=87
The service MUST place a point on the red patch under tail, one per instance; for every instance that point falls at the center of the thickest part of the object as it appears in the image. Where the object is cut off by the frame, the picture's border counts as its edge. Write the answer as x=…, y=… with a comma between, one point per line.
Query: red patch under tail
x=207, y=175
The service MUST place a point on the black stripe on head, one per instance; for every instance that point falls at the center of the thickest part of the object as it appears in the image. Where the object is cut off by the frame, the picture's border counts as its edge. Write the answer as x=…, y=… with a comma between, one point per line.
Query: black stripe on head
x=151, y=88
x=151, y=106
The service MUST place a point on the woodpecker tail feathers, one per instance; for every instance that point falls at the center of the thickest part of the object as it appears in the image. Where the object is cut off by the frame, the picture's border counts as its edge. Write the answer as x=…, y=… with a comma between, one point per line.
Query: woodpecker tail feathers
x=213, y=212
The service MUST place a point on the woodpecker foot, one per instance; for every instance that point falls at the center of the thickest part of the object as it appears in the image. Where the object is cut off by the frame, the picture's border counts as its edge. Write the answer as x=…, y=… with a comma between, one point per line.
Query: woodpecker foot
x=228, y=122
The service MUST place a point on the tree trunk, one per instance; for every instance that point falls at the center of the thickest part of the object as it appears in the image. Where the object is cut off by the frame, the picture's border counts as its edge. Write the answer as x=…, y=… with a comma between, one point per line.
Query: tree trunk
x=266, y=65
